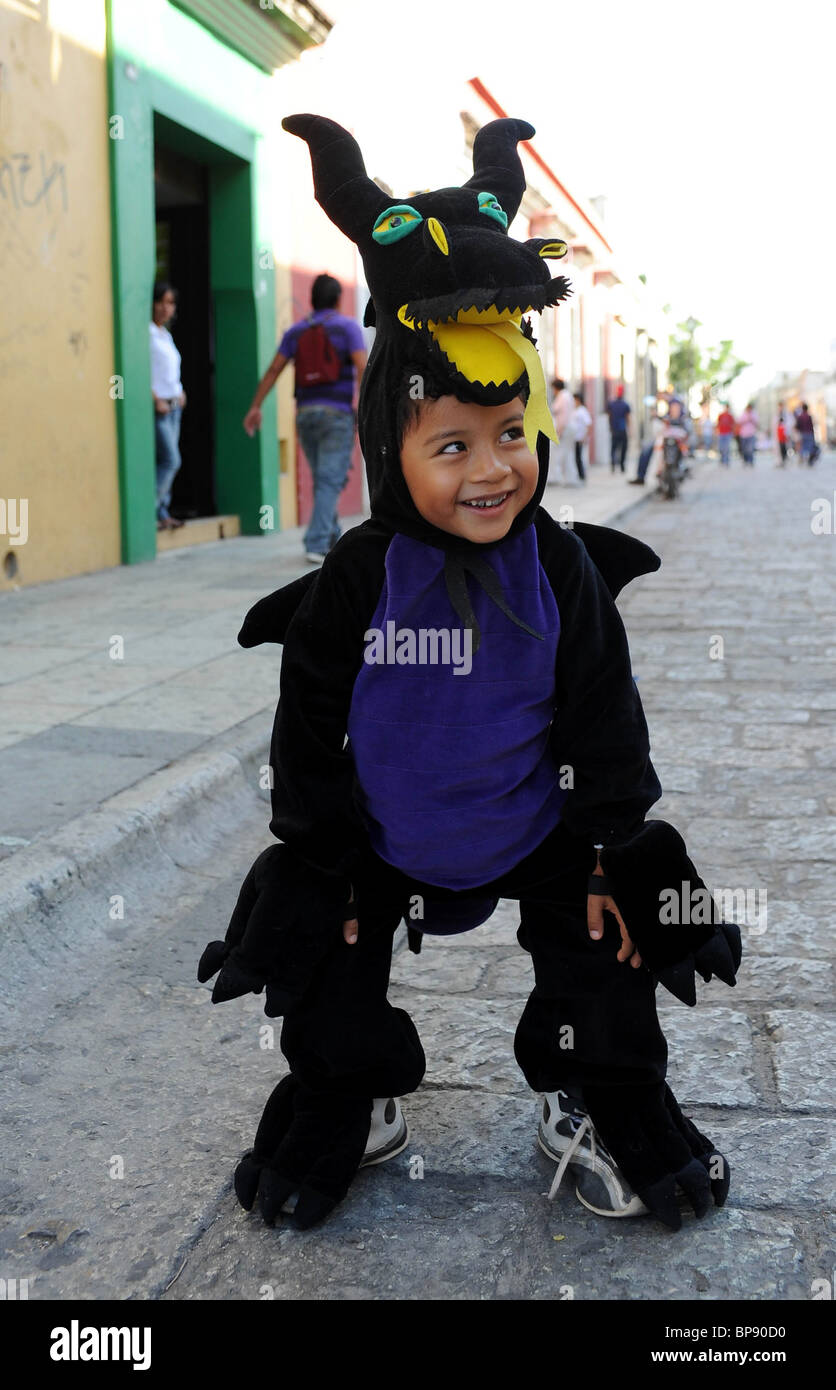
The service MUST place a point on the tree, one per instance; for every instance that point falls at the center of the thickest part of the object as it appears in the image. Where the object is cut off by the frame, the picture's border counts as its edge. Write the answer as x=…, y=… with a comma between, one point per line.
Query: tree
x=685, y=368
x=722, y=368
x=689, y=367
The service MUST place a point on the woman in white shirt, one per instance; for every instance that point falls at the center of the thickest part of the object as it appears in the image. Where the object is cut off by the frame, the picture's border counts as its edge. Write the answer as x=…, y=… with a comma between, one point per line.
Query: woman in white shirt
x=581, y=424
x=561, y=453
x=169, y=398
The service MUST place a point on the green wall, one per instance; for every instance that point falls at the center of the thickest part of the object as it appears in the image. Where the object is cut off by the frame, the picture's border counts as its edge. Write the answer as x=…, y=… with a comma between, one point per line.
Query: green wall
x=208, y=102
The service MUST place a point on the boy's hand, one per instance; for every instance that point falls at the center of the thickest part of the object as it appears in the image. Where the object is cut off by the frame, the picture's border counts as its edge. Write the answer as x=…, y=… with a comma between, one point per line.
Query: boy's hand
x=351, y=926
x=596, y=906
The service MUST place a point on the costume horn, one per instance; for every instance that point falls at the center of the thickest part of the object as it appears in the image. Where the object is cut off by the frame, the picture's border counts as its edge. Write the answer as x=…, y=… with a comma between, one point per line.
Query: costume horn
x=497, y=167
x=342, y=187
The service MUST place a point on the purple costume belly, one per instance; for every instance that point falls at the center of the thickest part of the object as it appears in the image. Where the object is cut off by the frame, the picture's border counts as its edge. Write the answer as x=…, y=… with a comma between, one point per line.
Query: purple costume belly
x=456, y=780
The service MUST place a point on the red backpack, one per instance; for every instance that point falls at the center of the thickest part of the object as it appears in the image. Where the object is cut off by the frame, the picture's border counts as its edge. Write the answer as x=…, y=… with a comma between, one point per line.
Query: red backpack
x=316, y=361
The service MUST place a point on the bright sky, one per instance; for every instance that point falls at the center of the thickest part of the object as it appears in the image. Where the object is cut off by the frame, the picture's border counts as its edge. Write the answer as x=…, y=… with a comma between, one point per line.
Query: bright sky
x=705, y=125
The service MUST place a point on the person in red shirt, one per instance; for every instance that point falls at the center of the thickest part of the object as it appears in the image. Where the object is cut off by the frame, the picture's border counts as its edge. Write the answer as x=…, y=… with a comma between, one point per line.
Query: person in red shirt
x=781, y=435
x=725, y=434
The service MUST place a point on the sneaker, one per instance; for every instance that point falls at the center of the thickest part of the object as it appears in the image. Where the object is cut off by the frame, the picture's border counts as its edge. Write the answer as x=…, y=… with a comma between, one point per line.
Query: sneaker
x=388, y=1133
x=314, y=557
x=566, y=1133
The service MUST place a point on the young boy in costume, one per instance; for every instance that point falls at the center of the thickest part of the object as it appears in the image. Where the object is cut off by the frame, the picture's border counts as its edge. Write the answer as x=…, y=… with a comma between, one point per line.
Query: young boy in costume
x=410, y=785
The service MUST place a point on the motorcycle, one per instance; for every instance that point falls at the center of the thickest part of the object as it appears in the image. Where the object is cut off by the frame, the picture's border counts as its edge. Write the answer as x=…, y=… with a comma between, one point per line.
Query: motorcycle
x=674, y=469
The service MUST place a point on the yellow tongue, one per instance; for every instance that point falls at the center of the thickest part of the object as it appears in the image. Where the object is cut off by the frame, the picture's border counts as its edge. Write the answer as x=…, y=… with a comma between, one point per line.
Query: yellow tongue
x=487, y=347
x=477, y=354
x=537, y=417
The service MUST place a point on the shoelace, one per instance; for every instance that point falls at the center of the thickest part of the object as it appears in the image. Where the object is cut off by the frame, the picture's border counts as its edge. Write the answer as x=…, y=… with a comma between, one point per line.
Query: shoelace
x=577, y=1139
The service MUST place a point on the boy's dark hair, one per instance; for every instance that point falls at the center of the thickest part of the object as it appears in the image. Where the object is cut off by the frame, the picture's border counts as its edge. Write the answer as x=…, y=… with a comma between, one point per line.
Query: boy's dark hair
x=558, y=384
x=418, y=385
x=325, y=292
x=162, y=287
x=578, y=395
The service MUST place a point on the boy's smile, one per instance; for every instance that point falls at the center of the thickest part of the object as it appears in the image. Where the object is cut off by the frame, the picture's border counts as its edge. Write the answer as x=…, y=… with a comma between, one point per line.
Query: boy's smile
x=468, y=468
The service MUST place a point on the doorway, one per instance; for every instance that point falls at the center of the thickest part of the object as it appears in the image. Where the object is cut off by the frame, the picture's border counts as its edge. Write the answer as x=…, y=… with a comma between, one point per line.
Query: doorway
x=181, y=197
x=219, y=181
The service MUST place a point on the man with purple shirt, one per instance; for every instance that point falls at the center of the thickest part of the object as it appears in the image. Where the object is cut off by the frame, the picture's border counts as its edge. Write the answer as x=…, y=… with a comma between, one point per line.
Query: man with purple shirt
x=324, y=412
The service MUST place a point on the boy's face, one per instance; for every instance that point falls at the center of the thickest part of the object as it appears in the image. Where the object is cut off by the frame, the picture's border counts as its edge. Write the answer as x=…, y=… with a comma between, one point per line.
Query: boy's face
x=468, y=468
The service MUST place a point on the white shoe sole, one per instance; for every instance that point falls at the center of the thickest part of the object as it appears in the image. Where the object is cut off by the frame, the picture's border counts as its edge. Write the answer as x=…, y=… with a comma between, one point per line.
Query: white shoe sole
x=636, y=1207
x=396, y=1147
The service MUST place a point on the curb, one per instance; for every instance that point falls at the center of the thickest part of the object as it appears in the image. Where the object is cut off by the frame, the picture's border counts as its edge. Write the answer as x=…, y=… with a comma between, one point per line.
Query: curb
x=630, y=506
x=175, y=801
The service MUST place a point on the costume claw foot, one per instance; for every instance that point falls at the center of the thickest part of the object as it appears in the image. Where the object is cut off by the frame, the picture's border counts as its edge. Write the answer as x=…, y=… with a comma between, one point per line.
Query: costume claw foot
x=662, y=1154
x=308, y=1143
x=245, y=1180
x=273, y=1192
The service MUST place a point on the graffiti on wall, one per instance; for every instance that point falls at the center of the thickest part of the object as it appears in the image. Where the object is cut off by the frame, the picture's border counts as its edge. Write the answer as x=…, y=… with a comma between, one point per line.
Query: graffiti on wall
x=25, y=183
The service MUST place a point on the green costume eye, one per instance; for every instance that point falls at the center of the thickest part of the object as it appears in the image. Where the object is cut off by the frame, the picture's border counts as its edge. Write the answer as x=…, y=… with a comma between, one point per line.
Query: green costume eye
x=396, y=222
x=489, y=205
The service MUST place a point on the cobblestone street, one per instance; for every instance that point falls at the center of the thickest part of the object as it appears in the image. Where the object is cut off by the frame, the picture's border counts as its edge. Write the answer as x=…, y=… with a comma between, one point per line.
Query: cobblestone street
x=733, y=647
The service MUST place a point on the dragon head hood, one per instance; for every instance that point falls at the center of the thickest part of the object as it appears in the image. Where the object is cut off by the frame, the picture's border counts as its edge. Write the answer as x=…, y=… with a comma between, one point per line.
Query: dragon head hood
x=450, y=292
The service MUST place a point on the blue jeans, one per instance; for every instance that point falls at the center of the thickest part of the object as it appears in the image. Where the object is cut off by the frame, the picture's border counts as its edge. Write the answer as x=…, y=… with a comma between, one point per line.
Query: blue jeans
x=747, y=446
x=618, y=449
x=327, y=439
x=724, y=440
x=167, y=432
x=644, y=461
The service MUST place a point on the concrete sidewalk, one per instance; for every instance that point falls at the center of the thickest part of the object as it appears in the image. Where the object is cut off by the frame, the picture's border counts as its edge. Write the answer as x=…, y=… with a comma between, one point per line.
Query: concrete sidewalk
x=112, y=678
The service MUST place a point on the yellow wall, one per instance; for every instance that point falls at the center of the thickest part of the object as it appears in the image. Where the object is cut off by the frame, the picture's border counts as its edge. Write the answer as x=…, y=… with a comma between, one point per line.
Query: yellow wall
x=57, y=420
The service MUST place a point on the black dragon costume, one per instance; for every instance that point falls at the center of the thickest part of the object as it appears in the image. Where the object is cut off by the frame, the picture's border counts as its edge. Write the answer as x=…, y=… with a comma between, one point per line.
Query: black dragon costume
x=398, y=782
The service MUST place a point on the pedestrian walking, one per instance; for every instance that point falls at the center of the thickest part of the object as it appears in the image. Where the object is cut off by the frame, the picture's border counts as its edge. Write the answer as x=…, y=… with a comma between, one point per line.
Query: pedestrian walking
x=725, y=433
x=807, y=449
x=562, y=454
x=168, y=397
x=619, y=413
x=329, y=355
x=781, y=436
x=581, y=425
x=747, y=434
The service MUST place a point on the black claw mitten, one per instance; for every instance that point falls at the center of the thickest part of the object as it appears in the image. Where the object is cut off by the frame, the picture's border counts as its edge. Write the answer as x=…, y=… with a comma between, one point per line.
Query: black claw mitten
x=320, y=1148
x=668, y=911
x=657, y=1149
x=286, y=917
